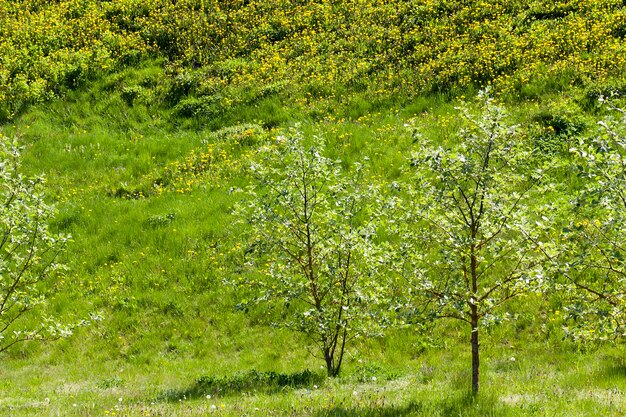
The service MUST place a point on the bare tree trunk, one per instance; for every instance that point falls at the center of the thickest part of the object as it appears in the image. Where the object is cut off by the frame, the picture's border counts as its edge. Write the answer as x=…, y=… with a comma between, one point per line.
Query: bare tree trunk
x=329, y=357
x=474, y=312
x=475, y=353
x=341, y=352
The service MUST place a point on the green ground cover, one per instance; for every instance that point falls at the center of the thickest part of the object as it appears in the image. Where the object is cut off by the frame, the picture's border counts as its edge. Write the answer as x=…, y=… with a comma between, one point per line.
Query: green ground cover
x=144, y=123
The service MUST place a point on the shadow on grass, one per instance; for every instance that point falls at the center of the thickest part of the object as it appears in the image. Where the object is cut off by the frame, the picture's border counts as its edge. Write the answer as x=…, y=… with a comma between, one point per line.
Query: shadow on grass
x=456, y=406
x=411, y=409
x=614, y=368
x=617, y=371
x=250, y=381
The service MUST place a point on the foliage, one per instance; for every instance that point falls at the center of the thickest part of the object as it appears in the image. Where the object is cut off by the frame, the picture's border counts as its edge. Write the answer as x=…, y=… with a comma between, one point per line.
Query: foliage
x=312, y=241
x=248, y=50
x=48, y=48
x=164, y=103
x=477, y=221
x=594, y=261
x=28, y=252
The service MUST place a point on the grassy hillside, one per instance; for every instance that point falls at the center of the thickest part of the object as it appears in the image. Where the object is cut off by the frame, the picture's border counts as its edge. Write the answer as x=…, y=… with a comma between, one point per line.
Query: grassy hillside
x=144, y=117
x=314, y=53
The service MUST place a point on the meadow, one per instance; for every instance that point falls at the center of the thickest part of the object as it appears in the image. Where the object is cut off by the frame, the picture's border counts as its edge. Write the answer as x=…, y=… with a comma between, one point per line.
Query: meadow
x=145, y=116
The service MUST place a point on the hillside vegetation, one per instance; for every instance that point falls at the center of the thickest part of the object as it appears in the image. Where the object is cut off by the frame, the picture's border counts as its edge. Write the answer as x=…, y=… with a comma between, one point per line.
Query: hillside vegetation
x=144, y=116
x=233, y=52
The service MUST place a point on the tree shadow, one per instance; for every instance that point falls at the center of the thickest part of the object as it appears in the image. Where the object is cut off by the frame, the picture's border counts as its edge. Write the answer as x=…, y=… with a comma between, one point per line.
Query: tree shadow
x=615, y=371
x=250, y=381
x=411, y=409
x=613, y=368
x=468, y=405
x=464, y=405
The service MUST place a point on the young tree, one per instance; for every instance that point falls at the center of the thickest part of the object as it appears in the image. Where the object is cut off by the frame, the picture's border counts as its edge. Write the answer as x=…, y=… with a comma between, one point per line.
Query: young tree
x=312, y=230
x=595, y=261
x=28, y=252
x=474, y=221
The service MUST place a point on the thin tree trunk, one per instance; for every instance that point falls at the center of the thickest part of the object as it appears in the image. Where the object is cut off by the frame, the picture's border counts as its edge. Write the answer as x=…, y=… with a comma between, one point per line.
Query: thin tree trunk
x=343, y=347
x=475, y=352
x=474, y=313
x=330, y=364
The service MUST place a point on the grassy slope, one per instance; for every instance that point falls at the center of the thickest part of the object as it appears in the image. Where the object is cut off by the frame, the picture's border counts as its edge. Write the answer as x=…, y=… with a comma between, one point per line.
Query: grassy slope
x=169, y=319
x=153, y=259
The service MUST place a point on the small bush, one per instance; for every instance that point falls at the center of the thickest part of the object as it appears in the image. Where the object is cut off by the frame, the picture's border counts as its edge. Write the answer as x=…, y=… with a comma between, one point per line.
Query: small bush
x=160, y=220
x=205, y=106
x=556, y=132
x=590, y=98
x=130, y=94
x=246, y=134
x=181, y=85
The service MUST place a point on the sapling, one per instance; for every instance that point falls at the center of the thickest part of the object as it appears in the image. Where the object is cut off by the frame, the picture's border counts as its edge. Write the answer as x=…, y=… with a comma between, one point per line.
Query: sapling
x=594, y=261
x=473, y=225
x=311, y=248
x=29, y=253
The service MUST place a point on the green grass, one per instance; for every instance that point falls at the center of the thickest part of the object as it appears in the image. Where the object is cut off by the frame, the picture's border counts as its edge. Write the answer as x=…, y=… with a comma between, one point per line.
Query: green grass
x=153, y=251
x=537, y=383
